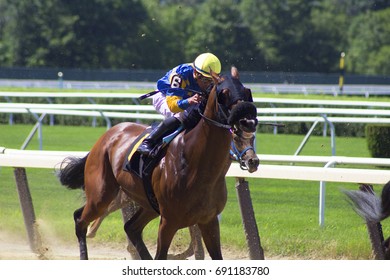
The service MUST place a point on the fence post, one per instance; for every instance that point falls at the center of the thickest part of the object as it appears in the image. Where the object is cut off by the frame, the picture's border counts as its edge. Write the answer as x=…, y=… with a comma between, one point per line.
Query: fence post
x=248, y=219
x=27, y=210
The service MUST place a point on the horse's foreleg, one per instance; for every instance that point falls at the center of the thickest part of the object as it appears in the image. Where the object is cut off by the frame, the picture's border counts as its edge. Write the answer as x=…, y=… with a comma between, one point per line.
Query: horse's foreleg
x=134, y=228
x=165, y=236
x=211, y=238
x=81, y=233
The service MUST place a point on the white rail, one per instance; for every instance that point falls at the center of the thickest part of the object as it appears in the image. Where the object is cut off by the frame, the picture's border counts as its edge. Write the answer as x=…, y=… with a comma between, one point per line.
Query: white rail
x=148, y=112
x=306, y=89
x=69, y=94
x=314, y=115
x=39, y=107
x=136, y=95
x=52, y=159
x=351, y=175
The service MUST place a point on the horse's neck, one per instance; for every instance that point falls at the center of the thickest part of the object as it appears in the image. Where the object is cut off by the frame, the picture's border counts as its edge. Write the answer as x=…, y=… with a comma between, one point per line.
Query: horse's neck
x=207, y=142
x=206, y=152
x=211, y=106
x=209, y=128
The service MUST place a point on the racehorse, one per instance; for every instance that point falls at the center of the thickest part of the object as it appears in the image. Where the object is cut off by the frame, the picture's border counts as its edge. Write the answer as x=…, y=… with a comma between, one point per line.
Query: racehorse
x=372, y=208
x=189, y=181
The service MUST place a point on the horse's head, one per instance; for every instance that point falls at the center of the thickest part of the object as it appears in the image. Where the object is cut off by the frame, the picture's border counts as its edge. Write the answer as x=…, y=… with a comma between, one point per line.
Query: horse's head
x=235, y=103
x=231, y=90
x=243, y=121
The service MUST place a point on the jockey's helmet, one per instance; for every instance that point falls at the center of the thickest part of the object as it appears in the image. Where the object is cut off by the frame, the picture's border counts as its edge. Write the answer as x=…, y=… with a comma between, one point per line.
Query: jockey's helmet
x=207, y=62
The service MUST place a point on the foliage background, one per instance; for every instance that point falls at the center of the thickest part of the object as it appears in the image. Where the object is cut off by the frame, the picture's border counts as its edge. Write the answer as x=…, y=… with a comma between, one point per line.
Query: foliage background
x=269, y=35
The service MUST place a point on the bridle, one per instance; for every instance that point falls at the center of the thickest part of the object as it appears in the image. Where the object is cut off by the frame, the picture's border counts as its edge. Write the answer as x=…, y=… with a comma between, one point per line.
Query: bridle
x=236, y=155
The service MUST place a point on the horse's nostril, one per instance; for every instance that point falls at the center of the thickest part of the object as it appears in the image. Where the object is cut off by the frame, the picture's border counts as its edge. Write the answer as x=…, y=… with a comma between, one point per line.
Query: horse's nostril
x=254, y=162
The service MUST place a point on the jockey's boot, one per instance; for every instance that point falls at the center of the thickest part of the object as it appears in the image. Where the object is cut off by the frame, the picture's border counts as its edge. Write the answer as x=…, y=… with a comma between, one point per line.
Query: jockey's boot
x=166, y=127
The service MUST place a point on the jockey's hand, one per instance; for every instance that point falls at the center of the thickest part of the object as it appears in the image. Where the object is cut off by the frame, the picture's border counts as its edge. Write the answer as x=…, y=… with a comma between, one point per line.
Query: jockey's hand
x=195, y=99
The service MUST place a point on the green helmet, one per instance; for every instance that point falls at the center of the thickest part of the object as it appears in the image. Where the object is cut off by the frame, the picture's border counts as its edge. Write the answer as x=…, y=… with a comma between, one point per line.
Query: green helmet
x=207, y=62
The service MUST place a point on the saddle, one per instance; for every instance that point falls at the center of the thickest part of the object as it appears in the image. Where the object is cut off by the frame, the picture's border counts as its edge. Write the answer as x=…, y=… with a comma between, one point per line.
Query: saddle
x=143, y=166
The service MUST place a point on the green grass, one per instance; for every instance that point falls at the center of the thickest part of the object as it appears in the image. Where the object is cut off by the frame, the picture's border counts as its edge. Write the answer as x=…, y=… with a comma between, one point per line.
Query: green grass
x=286, y=210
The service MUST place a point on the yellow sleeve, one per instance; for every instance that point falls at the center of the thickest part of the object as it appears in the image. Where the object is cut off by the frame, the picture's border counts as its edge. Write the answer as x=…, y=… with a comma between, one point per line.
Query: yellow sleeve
x=172, y=102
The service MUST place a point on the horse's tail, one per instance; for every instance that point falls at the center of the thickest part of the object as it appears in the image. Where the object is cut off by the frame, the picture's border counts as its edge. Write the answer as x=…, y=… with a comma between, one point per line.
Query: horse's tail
x=369, y=206
x=71, y=173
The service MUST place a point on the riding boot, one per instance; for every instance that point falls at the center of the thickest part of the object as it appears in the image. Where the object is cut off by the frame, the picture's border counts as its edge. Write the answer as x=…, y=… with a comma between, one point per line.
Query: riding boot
x=166, y=127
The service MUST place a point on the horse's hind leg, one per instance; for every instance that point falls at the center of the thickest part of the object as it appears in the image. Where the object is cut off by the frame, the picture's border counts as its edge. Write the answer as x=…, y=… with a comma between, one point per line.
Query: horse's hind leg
x=134, y=228
x=120, y=201
x=127, y=213
x=92, y=229
x=96, y=205
x=92, y=210
x=81, y=233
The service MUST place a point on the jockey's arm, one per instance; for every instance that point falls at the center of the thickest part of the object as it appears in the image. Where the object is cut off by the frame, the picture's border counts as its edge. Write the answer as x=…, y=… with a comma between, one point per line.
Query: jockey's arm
x=176, y=103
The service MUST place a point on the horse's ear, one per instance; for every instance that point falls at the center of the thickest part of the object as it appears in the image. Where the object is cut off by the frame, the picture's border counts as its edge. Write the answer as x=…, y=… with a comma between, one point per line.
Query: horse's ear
x=248, y=95
x=234, y=72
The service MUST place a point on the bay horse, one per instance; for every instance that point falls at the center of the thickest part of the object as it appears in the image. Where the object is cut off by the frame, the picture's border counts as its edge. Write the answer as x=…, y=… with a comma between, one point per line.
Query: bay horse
x=189, y=181
x=372, y=209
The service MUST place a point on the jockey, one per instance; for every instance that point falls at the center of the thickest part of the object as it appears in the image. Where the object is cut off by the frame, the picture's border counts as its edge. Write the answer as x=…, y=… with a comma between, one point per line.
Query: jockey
x=178, y=93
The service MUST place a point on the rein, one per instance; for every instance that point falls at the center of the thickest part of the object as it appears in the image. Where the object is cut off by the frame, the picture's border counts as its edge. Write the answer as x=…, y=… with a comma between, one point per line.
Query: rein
x=149, y=94
x=213, y=122
x=218, y=124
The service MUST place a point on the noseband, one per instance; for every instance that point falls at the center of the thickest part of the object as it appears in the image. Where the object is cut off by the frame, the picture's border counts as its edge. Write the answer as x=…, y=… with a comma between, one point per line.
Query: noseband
x=236, y=155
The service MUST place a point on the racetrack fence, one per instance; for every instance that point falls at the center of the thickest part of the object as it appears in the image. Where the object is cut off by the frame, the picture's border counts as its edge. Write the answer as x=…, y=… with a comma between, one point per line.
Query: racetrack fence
x=22, y=159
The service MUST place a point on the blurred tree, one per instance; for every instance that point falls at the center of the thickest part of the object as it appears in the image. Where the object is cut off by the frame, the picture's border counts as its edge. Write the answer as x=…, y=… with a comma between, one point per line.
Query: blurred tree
x=369, y=43
x=26, y=35
x=259, y=16
x=6, y=38
x=356, y=7
x=106, y=33
x=272, y=35
x=219, y=28
x=287, y=33
x=79, y=34
x=172, y=21
x=330, y=22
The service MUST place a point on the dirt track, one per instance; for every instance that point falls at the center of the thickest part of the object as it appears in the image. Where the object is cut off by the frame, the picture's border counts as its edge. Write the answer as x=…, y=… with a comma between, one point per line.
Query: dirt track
x=12, y=248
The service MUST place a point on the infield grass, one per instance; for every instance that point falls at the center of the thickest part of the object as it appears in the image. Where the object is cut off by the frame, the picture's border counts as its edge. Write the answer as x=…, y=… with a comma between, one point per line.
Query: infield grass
x=286, y=210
